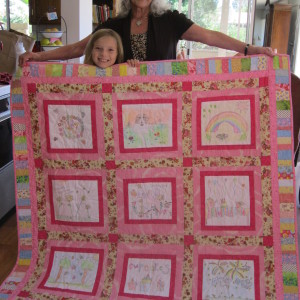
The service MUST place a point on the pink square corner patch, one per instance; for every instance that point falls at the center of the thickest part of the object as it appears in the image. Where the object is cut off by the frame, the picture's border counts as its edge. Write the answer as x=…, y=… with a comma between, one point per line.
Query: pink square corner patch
x=106, y=88
x=187, y=162
x=31, y=87
x=187, y=86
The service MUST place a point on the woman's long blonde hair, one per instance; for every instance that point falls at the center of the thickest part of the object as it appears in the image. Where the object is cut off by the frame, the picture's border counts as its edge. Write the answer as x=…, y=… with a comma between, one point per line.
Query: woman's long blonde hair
x=97, y=35
x=157, y=7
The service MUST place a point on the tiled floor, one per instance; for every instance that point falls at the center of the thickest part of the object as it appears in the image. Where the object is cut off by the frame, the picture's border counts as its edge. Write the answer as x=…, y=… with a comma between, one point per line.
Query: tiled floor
x=298, y=226
x=8, y=245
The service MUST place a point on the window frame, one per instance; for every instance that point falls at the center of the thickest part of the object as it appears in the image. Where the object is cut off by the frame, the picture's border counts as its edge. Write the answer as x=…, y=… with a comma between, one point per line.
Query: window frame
x=221, y=52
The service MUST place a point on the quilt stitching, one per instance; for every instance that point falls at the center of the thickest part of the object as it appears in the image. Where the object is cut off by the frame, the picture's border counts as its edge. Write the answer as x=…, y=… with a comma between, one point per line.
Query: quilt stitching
x=187, y=163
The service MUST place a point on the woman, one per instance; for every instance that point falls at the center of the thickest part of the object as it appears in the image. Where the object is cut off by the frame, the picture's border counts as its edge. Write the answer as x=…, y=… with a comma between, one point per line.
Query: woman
x=150, y=31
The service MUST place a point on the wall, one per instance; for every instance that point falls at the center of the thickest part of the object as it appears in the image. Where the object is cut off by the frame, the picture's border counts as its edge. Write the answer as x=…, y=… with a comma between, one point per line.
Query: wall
x=78, y=16
x=259, y=27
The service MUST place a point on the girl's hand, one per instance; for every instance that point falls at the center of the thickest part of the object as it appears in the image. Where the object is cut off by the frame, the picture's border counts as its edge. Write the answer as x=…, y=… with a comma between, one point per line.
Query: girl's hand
x=133, y=62
x=28, y=56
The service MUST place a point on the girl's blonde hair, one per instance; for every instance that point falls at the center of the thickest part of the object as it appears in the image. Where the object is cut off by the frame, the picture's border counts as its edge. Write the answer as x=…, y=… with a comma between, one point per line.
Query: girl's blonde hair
x=97, y=35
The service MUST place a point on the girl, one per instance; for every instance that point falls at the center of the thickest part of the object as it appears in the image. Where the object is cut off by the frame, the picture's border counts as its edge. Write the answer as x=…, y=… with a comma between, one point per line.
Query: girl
x=104, y=49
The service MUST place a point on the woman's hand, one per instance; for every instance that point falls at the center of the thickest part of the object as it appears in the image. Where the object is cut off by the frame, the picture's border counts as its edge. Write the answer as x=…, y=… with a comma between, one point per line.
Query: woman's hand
x=252, y=50
x=261, y=50
x=133, y=62
x=28, y=56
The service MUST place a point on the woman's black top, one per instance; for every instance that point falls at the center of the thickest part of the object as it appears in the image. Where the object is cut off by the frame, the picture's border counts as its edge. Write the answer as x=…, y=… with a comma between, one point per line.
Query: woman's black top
x=163, y=34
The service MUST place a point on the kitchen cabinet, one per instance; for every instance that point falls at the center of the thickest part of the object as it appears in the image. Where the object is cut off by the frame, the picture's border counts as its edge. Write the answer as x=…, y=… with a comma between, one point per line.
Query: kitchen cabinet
x=38, y=10
x=278, y=19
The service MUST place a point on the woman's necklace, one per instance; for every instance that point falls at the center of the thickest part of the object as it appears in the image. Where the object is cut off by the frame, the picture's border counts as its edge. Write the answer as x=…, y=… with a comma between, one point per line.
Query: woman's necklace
x=139, y=22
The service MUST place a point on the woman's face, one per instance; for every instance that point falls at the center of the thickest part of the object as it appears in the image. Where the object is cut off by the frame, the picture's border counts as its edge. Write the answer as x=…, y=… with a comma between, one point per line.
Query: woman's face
x=141, y=3
x=105, y=52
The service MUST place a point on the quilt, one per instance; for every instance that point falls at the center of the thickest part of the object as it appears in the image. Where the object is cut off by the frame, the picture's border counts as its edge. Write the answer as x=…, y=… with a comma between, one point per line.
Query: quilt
x=170, y=180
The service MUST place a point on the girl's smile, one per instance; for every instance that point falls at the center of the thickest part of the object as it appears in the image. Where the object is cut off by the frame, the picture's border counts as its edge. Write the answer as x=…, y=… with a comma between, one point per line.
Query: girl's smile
x=104, y=53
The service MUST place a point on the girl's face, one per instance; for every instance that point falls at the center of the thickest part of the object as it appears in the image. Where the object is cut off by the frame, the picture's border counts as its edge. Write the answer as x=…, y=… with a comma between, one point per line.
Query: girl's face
x=105, y=52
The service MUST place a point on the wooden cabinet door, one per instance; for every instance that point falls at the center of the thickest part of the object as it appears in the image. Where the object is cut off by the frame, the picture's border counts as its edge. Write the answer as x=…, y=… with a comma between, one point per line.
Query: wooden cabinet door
x=281, y=28
x=277, y=29
x=38, y=10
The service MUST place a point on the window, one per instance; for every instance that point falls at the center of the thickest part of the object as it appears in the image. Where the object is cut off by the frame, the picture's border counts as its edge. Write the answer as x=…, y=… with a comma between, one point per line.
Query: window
x=232, y=17
x=14, y=14
x=3, y=14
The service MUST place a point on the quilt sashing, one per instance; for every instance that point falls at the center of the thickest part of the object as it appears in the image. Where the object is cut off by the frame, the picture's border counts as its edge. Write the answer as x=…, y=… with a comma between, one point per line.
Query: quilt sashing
x=173, y=180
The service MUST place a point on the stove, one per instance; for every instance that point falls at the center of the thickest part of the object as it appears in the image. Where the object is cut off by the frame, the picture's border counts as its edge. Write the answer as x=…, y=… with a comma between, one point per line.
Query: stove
x=7, y=178
x=4, y=102
x=4, y=89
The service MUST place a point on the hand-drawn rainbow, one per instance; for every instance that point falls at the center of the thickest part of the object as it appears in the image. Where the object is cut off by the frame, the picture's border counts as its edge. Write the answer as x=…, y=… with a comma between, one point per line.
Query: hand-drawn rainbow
x=237, y=122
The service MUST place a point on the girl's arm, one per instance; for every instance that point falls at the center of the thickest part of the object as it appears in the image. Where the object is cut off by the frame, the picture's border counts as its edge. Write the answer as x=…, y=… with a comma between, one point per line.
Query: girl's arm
x=62, y=53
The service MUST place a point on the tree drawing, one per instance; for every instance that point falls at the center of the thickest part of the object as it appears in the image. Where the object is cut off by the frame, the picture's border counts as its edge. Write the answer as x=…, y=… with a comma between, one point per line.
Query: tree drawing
x=237, y=269
x=64, y=264
x=218, y=267
x=86, y=266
